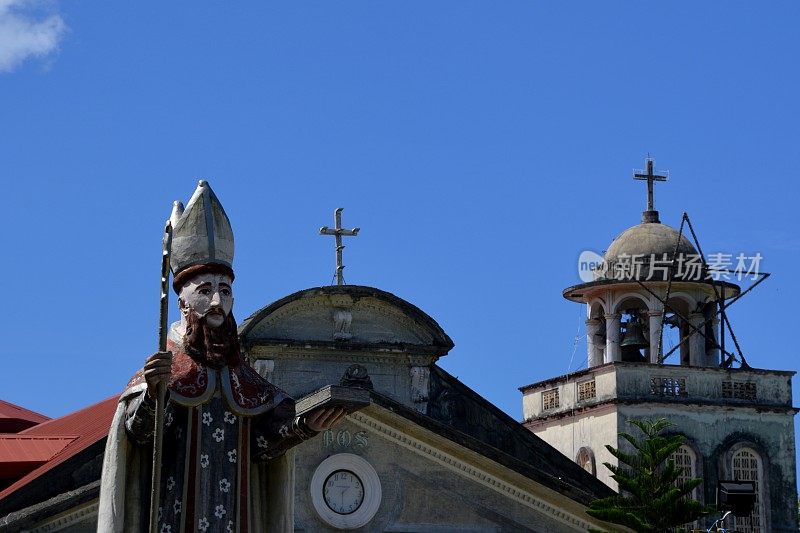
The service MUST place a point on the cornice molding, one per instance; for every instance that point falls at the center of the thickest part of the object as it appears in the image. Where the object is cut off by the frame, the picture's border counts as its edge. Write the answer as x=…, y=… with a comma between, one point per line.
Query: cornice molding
x=70, y=518
x=469, y=471
x=312, y=352
x=662, y=402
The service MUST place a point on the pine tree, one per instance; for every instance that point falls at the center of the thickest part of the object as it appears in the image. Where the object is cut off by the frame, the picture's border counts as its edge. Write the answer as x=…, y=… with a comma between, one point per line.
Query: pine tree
x=651, y=500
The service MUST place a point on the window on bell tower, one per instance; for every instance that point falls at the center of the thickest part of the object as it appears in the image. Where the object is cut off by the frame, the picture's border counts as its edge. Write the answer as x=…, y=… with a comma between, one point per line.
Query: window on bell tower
x=686, y=462
x=746, y=465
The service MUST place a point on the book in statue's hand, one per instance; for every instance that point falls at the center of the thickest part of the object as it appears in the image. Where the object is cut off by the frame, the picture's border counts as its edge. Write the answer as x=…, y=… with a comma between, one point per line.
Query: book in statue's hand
x=351, y=398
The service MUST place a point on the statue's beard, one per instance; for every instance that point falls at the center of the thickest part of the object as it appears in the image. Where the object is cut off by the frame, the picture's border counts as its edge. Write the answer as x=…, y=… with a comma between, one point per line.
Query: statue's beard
x=214, y=347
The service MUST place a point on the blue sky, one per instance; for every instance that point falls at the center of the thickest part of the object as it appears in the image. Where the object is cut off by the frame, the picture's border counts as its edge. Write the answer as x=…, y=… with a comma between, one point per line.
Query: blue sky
x=480, y=146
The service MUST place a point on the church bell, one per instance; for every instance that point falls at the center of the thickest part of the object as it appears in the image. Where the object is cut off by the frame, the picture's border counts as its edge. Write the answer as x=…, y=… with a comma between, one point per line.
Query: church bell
x=633, y=335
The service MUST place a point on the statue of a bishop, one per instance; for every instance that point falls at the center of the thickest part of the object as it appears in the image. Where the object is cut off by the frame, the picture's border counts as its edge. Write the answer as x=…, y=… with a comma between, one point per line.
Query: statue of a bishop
x=221, y=417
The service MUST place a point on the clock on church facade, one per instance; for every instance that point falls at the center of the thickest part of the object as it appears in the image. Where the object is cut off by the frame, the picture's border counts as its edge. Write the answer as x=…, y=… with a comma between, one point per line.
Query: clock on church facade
x=345, y=490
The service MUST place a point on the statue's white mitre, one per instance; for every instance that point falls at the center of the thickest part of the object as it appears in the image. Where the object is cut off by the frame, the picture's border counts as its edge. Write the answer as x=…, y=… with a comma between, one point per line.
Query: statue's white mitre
x=202, y=233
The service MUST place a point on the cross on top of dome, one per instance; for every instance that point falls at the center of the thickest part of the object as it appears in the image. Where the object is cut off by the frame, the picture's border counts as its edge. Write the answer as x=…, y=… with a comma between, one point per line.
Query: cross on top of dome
x=650, y=215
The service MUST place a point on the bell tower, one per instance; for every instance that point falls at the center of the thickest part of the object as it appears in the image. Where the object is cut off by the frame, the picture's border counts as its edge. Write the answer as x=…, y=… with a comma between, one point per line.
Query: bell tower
x=652, y=277
x=656, y=329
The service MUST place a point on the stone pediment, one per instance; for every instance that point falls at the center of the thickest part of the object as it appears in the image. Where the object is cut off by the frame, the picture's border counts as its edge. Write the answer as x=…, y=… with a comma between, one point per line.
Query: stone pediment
x=345, y=316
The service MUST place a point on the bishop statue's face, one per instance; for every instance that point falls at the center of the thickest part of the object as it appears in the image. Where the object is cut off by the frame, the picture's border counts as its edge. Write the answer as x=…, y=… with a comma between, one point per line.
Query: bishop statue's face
x=209, y=296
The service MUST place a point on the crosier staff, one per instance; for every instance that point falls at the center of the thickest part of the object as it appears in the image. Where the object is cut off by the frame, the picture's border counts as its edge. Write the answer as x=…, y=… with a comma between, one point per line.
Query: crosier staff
x=158, y=432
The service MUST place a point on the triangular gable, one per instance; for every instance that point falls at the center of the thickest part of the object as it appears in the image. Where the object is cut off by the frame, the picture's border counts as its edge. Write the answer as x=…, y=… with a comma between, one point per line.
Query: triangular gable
x=470, y=459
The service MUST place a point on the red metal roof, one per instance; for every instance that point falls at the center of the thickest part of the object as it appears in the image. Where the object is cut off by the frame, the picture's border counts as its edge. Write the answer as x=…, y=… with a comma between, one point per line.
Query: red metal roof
x=18, y=448
x=85, y=427
x=9, y=410
x=14, y=418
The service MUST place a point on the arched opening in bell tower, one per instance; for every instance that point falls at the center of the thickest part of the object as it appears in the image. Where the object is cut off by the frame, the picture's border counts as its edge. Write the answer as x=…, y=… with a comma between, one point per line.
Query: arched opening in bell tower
x=634, y=329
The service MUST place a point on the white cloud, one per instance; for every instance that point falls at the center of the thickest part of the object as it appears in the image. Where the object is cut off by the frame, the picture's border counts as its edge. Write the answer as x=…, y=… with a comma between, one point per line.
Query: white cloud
x=25, y=32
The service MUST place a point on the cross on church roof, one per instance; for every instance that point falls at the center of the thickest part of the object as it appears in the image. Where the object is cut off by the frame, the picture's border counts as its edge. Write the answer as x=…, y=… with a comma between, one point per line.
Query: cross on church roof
x=651, y=215
x=338, y=232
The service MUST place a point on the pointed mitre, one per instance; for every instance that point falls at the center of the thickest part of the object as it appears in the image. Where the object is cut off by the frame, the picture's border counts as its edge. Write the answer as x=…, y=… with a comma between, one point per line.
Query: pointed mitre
x=201, y=234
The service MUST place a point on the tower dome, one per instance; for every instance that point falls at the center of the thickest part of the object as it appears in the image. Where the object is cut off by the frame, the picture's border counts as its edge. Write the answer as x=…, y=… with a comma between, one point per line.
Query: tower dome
x=643, y=244
x=648, y=239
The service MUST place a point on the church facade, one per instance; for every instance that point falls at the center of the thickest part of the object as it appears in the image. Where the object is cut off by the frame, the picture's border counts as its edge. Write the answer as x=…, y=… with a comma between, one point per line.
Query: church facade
x=440, y=457
x=738, y=421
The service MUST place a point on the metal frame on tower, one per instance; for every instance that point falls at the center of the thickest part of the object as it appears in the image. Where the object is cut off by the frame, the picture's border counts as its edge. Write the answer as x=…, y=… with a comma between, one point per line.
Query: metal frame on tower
x=719, y=290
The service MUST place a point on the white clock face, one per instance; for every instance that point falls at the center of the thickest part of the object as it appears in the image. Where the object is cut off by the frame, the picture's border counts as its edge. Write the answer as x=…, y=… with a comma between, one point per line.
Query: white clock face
x=343, y=492
x=346, y=491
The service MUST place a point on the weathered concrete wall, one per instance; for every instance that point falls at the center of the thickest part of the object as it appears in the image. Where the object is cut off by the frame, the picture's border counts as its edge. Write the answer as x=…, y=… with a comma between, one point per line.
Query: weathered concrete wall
x=311, y=338
x=711, y=434
x=635, y=381
x=301, y=371
x=706, y=385
x=716, y=409
x=593, y=430
x=368, y=318
x=419, y=494
x=605, y=389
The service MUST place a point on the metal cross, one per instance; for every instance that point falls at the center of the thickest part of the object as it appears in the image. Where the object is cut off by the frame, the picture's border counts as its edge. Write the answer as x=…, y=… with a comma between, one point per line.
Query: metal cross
x=650, y=177
x=338, y=232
